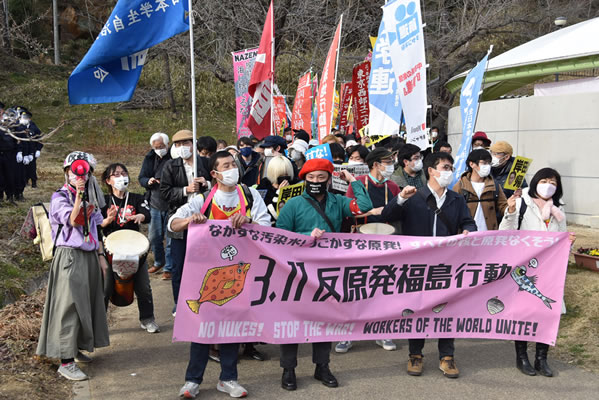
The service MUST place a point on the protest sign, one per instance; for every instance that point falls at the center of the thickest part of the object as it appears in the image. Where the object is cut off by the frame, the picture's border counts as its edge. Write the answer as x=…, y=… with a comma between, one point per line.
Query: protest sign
x=283, y=287
x=243, y=62
x=287, y=193
x=356, y=170
x=517, y=173
x=320, y=151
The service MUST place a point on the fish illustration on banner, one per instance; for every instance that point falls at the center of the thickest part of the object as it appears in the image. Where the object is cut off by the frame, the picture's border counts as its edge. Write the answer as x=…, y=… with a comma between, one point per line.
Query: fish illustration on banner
x=527, y=283
x=110, y=70
x=221, y=285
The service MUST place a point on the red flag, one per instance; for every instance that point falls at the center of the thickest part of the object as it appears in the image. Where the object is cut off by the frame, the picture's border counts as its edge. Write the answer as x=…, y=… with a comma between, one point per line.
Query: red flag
x=346, y=96
x=260, y=88
x=326, y=91
x=360, y=78
x=302, y=105
x=279, y=114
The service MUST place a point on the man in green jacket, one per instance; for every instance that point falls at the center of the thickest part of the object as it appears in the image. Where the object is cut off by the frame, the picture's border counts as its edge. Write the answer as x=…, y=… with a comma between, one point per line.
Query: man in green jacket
x=313, y=213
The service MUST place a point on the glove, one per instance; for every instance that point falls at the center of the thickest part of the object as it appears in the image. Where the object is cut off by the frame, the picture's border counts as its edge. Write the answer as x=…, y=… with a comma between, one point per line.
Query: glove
x=19, y=157
x=30, y=158
x=26, y=160
x=37, y=154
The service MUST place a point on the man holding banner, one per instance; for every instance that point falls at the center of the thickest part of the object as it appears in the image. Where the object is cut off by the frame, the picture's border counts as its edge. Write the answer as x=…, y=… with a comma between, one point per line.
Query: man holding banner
x=313, y=213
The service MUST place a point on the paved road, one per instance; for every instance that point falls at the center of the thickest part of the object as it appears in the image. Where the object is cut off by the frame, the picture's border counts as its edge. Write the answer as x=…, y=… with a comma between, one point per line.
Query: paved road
x=139, y=365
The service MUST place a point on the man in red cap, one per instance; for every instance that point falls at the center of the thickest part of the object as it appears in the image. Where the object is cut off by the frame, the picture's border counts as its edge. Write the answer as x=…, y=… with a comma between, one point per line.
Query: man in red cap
x=480, y=141
x=313, y=213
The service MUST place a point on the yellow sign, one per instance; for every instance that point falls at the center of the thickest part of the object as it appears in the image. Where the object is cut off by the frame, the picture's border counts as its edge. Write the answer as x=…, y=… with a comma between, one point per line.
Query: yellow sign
x=516, y=176
x=287, y=193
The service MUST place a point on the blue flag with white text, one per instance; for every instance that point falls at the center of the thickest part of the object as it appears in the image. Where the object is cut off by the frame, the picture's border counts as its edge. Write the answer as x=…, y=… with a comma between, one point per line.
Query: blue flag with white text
x=469, y=107
x=110, y=70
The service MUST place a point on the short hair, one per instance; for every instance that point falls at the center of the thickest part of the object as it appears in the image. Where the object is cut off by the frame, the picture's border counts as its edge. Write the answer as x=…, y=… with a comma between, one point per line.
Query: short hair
x=329, y=137
x=341, y=136
x=362, y=151
x=547, y=173
x=406, y=153
x=433, y=159
x=213, y=161
x=476, y=156
x=279, y=166
x=109, y=171
x=435, y=127
x=337, y=151
x=2, y=105
x=245, y=141
x=440, y=144
x=302, y=134
x=158, y=136
x=221, y=142
x=206, y=143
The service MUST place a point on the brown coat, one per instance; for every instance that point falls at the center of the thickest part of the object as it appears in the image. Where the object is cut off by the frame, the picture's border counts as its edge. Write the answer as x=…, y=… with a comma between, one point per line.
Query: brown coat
x=465, y=185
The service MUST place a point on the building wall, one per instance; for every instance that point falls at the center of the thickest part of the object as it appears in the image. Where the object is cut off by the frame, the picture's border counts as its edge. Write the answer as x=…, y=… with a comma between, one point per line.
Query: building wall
x=561, y=132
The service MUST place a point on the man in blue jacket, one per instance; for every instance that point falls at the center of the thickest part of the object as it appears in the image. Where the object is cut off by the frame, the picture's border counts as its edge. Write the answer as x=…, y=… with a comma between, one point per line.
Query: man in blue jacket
x=432, y=211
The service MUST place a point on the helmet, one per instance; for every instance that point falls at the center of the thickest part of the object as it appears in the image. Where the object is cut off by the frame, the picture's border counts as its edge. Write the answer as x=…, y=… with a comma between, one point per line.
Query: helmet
x=79, y=162
x=10, y=117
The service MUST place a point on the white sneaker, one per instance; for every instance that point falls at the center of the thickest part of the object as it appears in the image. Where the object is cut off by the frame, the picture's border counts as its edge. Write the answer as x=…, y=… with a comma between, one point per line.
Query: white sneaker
x=343, y=347
x=232, y=387
x=72, y=372
x=387, y=344
x=151, y=326
x=190, y=390
x=82, y=358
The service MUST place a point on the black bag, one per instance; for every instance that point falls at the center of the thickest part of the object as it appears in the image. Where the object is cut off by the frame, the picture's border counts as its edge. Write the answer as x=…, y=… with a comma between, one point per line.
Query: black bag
x=313, y=203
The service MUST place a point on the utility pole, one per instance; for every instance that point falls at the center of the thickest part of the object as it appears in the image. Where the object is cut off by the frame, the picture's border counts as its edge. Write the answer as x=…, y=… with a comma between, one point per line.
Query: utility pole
x=6, y=29
x=56, y=42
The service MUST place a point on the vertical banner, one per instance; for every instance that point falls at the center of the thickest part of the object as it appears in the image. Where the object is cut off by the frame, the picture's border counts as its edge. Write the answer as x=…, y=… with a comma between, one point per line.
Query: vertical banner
x=279, y=115
x=346, y=96
x=336, y=101
x=360, y=78
x=302, y=105
x=469, y=107
x=315, y=107
x=385, y=104
x=403, y=28
x=326, y=91
x=260, y=88
x=243, y=62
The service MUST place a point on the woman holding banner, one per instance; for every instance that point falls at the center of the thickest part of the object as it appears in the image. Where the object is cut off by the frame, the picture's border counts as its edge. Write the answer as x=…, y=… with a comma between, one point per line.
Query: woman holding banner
x=539, y=208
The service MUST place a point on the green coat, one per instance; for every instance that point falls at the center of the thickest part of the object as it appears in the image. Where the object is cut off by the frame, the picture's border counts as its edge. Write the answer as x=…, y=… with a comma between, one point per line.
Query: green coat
x=299, y=216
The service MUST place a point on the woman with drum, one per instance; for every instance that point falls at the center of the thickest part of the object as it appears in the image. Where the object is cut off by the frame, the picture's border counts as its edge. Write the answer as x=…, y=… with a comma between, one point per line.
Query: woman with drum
x=126, y=211
x=74, y=315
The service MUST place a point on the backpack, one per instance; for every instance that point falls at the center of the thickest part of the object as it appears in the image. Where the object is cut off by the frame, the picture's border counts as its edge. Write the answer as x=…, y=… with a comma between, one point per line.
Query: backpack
x=523, y=208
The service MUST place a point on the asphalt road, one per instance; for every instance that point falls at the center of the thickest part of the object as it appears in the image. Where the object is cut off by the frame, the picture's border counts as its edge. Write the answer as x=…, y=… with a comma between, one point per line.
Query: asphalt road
x=139, y=365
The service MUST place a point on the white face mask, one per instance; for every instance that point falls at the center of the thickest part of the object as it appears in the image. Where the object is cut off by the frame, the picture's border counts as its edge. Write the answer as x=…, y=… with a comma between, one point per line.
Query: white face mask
x=288, y=138
x=160, y=152
x=24, y=121
x=546, y=190
x=478, y=148
x=354, y=162
x=484, y=170
x=389, y=170
x=495, y=161
x=417, y=166
x=268, y=151
x=230, y=177
x=184, y=152
x=445, y=178
x=434, y=134
x=296, y=155
x=121, y=183
x=74, y=178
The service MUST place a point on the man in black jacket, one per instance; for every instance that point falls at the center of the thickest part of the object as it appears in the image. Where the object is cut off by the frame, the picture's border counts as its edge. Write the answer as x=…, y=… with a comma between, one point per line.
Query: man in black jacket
x=149, y=178
x=177, y=187
x=9, y=159
x=432, y=211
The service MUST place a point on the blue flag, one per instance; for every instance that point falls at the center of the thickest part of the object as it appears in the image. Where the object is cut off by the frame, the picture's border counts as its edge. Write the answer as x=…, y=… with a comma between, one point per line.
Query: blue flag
x=111, y=68
x=469, y=107
x=320, y=151
x=385, y=104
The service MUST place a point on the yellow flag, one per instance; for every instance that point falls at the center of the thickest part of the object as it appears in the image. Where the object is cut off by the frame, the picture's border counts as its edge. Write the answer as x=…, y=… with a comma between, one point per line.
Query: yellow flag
x=372, y=41
x=335, y=109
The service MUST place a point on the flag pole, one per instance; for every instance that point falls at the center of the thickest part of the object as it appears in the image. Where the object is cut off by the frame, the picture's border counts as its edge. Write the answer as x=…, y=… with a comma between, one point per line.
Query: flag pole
x=272, y=67
x=335, y=79
x=194, y=150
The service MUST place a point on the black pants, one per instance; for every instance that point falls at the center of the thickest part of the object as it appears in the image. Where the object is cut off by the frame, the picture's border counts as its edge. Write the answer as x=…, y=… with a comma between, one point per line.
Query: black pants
x=177, y=260
x=446, y=347
x=141, y=287
x=20, y=181
x=320, y=354
x=8, y=166
x=31, y=172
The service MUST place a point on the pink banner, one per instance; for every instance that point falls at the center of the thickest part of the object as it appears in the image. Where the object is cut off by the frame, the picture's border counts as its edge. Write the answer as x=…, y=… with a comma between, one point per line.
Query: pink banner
x=262, y=284
x=243, y=62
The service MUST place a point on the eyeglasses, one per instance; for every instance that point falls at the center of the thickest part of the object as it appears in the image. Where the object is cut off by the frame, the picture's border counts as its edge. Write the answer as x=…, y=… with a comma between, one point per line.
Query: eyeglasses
x=119, y=174
x=388, y=161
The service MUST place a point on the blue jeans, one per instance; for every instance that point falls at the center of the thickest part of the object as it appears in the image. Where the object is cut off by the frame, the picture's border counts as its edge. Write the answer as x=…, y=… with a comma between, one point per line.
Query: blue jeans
x=198, y=358
x=157, y=232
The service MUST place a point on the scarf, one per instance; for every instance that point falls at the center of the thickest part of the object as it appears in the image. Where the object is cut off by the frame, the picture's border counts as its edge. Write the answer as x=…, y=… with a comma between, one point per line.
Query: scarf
x=548, y=209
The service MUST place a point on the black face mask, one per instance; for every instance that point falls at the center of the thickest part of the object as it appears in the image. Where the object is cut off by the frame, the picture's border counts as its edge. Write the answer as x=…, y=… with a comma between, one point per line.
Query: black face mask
x=280, y=179
x=316, y=188
x=338, y=162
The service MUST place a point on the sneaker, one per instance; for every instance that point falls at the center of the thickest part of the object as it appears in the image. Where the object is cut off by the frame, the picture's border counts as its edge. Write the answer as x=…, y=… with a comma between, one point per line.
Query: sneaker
x=448, y=366
x=343, y=347
x=387, y=344
x=232, y=387
x=150, y=326
x=72, y=372
x=190, y=390
x=175, y=311
x=415, y=365
x=82, y=358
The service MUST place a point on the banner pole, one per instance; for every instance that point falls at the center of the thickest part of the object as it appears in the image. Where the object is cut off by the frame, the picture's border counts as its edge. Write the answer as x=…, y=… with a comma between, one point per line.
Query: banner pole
x=481, y=89
x=335, y=79
x=193, y=92
x=272, y=67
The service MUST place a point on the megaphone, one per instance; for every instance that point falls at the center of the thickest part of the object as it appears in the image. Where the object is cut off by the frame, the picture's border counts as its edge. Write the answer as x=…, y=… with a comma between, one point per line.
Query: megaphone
x=80, y=167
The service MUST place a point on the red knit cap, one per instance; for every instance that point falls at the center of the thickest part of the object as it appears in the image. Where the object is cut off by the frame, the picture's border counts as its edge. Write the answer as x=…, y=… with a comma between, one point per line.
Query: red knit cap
x=316, y=164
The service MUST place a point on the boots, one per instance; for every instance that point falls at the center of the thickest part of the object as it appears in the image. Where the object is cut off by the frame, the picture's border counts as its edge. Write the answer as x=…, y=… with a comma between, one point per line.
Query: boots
x=323, y=373
x=288, y=381
x=522, y=362
x=541, y=360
